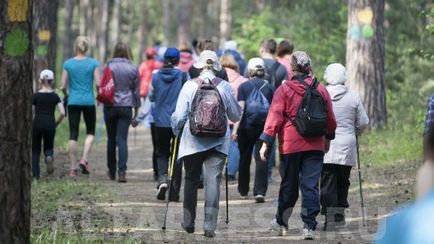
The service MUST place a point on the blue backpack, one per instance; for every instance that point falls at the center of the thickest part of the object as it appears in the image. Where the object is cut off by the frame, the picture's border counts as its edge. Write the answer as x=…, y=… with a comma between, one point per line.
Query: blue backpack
x=257, y=107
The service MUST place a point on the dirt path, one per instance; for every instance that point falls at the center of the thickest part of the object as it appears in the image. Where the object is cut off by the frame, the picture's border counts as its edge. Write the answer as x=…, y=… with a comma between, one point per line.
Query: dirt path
x=132, y=211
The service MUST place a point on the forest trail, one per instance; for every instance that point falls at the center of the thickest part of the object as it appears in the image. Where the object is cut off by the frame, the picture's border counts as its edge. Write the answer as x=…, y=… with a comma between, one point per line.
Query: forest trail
x=131, y=211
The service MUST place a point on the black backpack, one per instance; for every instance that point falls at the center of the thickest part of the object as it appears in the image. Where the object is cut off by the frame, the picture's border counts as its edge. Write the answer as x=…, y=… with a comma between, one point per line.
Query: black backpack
x=311, y=118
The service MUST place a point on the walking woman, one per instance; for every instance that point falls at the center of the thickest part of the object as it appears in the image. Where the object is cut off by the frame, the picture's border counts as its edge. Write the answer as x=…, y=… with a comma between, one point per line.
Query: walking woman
x=351, y=120
x=118, y=115
x=78, y=77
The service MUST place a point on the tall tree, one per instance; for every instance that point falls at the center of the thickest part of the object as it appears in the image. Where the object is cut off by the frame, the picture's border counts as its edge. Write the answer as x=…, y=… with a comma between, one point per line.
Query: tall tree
x=184, y=17
x=68, y=35
x=103, y=30
x=44, y=30
x=16, y=63
x=144, y=31
x=166, y=22
x=115, y=23
x=85, y=12
x=365, y=56
x=225, y=21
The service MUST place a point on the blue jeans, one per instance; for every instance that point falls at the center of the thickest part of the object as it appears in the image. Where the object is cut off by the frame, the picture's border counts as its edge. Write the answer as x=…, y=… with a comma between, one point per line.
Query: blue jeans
x=300, y=170
x=233, y=158
x=117, y=121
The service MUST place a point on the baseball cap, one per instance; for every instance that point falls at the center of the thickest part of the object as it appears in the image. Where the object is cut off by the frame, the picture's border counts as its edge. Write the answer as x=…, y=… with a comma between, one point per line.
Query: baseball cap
x=171, y=53
x=256, y=63
x=46, y=74
x=151, y=51
x=208, y=58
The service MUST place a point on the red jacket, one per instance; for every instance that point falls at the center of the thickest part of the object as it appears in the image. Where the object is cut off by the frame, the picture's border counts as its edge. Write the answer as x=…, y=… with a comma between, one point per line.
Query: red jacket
x=145, y=71
x=286, y=101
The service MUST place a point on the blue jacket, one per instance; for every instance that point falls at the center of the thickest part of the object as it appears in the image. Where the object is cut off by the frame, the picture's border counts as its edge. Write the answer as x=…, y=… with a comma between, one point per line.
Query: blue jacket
x=164, y=92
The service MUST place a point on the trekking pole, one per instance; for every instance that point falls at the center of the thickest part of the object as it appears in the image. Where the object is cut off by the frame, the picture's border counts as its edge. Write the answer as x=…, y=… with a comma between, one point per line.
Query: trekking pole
x=171, y=168
x=227, y=191
x=360, y=181
x=135, y=136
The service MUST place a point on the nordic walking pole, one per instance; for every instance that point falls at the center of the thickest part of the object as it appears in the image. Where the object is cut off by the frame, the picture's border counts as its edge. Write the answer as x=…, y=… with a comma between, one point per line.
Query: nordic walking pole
x=171, y=168
x=360, y=181
x=227, y=192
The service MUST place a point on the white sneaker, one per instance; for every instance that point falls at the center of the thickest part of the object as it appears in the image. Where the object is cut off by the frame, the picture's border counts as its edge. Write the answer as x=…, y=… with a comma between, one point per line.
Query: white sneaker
x=259, y=199
x=308, y=234
x=244, y=197
x=161, y=193
x=277, y=229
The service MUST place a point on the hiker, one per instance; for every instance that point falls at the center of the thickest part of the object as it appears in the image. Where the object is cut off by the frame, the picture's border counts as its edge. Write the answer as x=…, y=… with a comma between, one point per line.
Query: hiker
x=301, y=149
x=146, y=69
x=118, y=115
x=44, y=123
x=428, y=133
x=351, y=120
x=201, y=150
x=78, y=77
x=202, y=46
x=254, y=97
x=164, y=92
x=230, y=47
x=186, y=57
x=235, y=79
x=283, y=55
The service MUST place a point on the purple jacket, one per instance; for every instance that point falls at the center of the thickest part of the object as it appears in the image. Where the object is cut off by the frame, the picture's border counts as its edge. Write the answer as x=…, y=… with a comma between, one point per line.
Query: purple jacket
x=126, y=78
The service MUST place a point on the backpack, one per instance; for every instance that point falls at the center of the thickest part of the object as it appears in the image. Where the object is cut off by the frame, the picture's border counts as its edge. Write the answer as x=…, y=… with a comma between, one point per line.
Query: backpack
x=207, y=114
x=270, y=73
x=106, y=90
x=257, y=107
x=311, y=118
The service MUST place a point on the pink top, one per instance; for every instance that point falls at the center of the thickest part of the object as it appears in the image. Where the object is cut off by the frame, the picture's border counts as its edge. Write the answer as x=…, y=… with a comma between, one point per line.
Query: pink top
x=286, y=61
x=235, y=80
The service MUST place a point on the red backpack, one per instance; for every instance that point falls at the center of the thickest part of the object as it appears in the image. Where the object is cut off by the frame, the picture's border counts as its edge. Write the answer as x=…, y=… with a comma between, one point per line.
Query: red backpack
x=106, y=90
x=208, y=115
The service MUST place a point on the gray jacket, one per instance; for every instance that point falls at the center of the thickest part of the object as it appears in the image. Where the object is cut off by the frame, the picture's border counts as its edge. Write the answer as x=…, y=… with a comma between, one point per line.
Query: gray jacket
x=126, y=78
x=351, y=119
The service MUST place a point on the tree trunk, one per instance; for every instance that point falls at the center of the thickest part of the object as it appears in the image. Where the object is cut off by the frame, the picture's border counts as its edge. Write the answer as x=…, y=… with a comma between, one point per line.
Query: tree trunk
x=68, y=35
x=114, y=26
x=103, y=33
x=225, y=21
x=44, y=30
x=166, y=22
x=84, y=17
x=184, y=17
x=144, y=31
x=260, y=5
x=365, y=56
x=16, y=67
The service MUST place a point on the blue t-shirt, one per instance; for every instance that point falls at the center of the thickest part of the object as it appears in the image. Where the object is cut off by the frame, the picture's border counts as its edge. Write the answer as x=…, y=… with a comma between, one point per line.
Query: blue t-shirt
x=80, y=74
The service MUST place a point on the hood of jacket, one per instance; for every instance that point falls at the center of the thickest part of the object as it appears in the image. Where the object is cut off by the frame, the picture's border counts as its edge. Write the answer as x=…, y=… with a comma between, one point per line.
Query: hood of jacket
x=337, y=91
x=169, y=75
x=297, y=86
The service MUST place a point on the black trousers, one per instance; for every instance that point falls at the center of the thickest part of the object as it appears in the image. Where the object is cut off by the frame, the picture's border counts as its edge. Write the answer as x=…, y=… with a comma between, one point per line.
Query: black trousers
x=335, y=182
x=247, y=139
x=41, y=133
x=165, y=138
x=154, y=151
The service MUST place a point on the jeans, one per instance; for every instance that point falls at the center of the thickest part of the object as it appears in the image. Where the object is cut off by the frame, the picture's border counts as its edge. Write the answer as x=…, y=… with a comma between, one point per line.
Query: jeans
x=212, y=163
x=247, y=139
x=300, y=170
x=39, y=134
x=335, y=182
x=233, y=158
x=117, y=121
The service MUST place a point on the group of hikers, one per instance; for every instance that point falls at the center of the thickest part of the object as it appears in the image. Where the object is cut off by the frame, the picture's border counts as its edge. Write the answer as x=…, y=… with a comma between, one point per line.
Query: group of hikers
x=207, y=108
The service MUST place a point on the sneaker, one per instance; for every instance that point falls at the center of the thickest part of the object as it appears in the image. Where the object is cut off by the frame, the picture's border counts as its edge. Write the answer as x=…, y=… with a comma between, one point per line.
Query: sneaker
x=112, y=176
x=259, y=199
x=72, y=173
x=84, y=166
x=122, y=178
x=161, y=193
x=308, y=234
x=277, y=229
x=209, y=234
x=189, y=229
x=244, y=197
x=49, y=162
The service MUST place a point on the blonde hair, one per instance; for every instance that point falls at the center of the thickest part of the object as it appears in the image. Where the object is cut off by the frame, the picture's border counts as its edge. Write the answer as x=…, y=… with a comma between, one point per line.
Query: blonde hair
x=228, y=61
x=81, y=44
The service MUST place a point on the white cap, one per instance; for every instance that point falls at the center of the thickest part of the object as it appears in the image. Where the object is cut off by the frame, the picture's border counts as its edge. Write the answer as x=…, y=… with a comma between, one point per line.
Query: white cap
x=230, y=45
x=256, y=63
x=208, y=58
x=46, y=74
x=335, y=74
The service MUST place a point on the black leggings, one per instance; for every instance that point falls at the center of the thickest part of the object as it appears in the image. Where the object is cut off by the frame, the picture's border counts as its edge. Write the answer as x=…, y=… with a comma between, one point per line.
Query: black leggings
x=74, y=114
x=39, y=134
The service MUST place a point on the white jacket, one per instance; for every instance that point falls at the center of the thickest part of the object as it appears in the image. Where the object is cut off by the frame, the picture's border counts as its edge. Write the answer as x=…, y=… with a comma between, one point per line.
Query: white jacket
x=351, y=119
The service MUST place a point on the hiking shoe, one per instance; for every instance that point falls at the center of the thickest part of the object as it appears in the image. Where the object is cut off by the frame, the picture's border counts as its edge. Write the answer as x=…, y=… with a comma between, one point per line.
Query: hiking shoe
x=161, y=193
x=122, y=178
x=84, y=166
x=49, y=162
x=111, y=175
x=244, y=197
x=209, y=234
x=188, y=229
x=259, y=199
x=308, y=234
x=231, y=178
x=277, y=229
x=72, y=173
